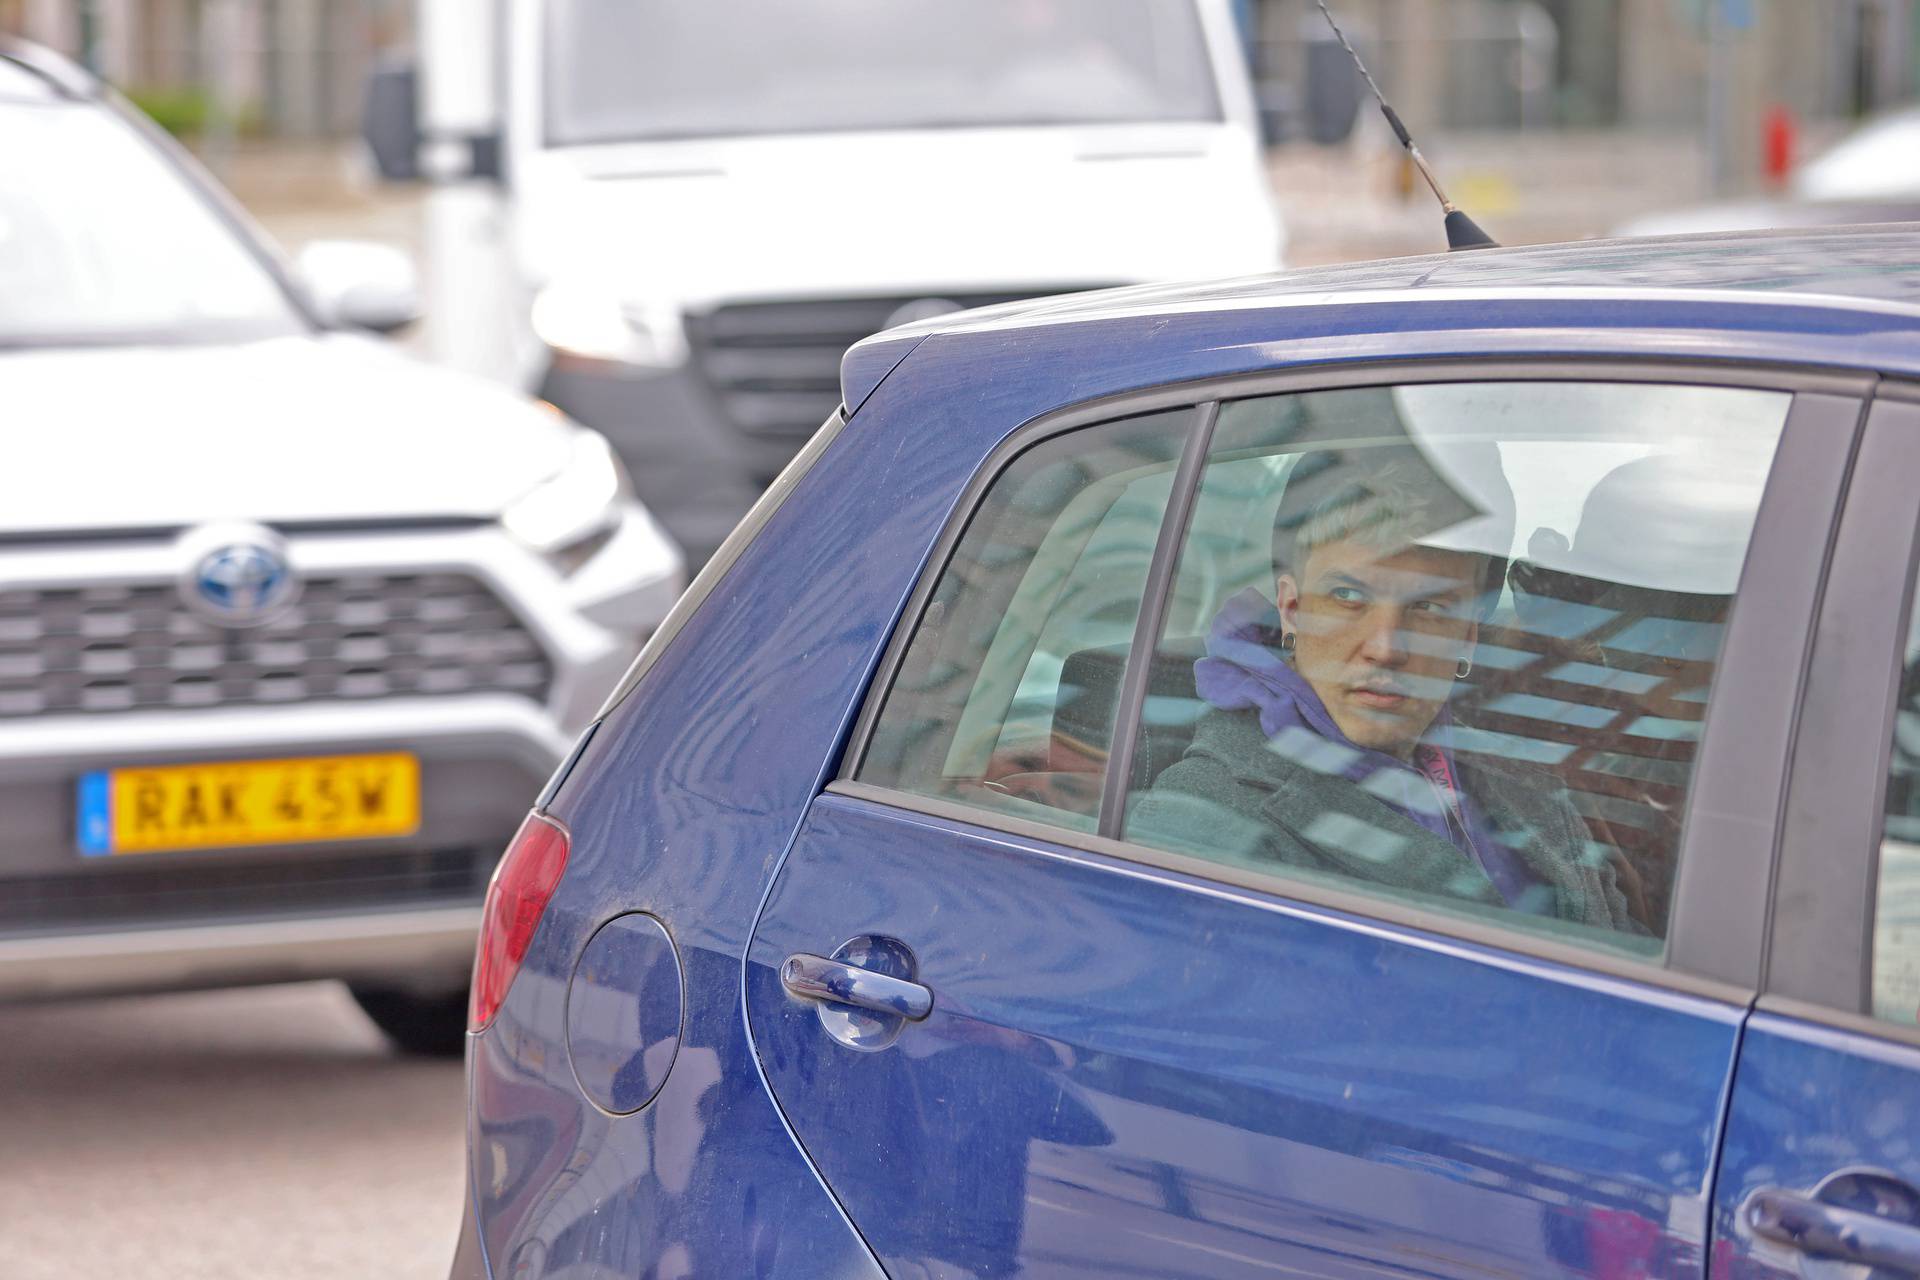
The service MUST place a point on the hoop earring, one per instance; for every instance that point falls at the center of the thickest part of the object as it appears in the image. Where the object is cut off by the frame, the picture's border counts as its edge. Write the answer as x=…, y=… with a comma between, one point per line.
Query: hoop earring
x=1286, y=643
x=1463, y=669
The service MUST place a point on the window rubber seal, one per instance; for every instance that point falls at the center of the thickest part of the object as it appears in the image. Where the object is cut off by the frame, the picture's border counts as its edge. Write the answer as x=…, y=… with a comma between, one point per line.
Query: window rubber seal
x=1131, y=704
x=1821, y=940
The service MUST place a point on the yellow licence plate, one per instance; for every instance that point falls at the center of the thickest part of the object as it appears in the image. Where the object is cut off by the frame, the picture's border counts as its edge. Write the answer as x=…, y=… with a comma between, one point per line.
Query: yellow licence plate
x=246, y=802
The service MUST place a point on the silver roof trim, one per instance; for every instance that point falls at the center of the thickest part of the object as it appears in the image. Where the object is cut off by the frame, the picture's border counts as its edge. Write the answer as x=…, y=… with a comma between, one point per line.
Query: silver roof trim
x=1043, y=317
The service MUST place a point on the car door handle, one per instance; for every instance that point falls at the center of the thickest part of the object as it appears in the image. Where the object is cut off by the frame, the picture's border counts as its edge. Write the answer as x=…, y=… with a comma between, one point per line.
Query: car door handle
x=813, y=977
x=1828, y=1231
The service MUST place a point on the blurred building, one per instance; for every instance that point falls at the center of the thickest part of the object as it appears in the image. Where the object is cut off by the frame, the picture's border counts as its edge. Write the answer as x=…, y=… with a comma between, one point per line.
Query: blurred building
x=279, y=68
x=294, y=68
x=1480, y=64
x=1718, y=67
x=1552, y=119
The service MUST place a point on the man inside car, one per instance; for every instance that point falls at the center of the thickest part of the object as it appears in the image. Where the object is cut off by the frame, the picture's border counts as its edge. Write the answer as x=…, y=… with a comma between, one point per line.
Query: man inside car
x=1327, y=743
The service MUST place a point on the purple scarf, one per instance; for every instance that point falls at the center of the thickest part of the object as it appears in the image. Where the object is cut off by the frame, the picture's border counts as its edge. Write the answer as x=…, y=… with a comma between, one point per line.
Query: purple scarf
x=1243, y=670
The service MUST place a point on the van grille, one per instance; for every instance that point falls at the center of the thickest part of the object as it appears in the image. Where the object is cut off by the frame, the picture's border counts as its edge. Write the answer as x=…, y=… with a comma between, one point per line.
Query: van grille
x=129, y=648
x=775, y=366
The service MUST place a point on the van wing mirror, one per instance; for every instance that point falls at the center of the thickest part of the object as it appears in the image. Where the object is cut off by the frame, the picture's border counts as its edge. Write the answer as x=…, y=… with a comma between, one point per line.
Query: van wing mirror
x=390, y=120
x=1334, y=93
x=390, y=125
x=1279, y=110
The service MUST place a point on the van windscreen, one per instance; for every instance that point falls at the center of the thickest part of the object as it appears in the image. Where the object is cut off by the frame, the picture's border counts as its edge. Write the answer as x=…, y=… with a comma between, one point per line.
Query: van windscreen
x=621, y=70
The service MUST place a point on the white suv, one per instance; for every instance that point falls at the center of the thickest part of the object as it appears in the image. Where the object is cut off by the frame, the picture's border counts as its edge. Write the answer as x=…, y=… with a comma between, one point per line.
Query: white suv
x=291, y=626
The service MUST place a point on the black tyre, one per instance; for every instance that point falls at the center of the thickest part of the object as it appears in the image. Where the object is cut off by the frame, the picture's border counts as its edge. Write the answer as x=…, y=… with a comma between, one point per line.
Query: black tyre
x=433, y=1026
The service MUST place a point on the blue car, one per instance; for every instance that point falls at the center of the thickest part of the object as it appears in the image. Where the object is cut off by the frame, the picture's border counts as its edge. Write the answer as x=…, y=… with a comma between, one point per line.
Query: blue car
x=1403, y=769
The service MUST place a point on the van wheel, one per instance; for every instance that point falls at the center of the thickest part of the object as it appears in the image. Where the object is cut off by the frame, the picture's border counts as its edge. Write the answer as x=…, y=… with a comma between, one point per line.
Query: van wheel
x=433, y=1026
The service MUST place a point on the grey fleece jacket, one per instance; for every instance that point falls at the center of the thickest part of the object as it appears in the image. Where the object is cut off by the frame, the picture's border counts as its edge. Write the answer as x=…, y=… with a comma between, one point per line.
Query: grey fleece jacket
x=1234, y=798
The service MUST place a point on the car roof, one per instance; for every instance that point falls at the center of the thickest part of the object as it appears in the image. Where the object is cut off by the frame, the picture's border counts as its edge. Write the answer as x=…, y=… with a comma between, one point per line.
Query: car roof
x=50, y=73
x=1878, y=264
x=1833, y=282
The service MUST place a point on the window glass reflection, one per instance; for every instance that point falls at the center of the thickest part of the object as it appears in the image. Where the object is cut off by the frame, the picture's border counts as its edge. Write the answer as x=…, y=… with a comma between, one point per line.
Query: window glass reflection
x=1007, y=694
x=1451, y=643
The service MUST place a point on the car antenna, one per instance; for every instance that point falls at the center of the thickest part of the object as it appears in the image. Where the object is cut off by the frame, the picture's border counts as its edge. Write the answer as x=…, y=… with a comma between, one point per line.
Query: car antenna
x=1462, y=231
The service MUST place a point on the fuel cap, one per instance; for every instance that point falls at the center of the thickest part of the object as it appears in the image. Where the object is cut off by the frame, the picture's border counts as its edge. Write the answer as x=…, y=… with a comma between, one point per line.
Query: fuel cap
x=624, y=1008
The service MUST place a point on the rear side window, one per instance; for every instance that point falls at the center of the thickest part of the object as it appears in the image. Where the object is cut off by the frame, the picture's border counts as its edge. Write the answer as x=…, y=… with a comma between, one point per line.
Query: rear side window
x=993, y=704
x=1447, y=644
x=1452, y=643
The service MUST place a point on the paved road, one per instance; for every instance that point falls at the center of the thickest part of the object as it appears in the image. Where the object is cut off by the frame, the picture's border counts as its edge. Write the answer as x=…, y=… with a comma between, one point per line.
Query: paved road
x=249, y=1134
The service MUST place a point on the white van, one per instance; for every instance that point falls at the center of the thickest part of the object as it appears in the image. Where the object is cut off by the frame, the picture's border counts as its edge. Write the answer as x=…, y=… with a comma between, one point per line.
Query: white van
x=687, y=211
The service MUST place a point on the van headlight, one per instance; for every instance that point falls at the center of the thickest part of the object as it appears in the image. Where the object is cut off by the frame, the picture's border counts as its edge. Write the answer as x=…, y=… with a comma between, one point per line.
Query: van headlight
x=570, y=514
x=591, y=322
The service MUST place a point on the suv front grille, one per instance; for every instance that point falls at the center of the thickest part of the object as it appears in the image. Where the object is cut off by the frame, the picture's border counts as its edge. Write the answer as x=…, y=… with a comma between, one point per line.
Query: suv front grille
x=775, y=366
x=127, y=648
x=180, y=891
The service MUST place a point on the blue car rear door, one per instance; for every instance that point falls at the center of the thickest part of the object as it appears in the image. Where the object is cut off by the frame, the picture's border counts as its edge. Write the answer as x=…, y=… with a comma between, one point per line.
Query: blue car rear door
x=1822, y=1165
x=1114, y=953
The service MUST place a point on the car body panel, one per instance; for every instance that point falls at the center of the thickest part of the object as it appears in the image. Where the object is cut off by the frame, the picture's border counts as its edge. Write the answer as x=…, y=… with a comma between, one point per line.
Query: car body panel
x=1045, y=367
x=1094, y=1094
x=1809, y=1102
x=688, y=797
x=1872, y=265
x=286, y=430
x=680, y=806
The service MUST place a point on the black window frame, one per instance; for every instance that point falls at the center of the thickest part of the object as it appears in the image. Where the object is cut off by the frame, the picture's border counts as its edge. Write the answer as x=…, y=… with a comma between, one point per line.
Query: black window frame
x=1716, y=939
x=1819, y=964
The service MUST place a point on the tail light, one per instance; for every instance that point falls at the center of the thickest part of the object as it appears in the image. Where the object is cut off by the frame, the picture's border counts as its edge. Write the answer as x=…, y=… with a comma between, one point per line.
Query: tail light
x=522, y=886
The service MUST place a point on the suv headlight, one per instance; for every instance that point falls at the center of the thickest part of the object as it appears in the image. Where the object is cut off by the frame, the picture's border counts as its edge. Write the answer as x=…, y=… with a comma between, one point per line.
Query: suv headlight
x=568, y=516
x=581, y=319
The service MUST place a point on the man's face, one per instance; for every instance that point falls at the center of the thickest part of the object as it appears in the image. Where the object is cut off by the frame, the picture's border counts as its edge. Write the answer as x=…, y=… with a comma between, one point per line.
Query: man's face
x=1379, y=634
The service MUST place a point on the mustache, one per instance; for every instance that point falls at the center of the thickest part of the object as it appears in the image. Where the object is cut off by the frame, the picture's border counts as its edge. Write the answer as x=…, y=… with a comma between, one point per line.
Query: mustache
x=1402, y=684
